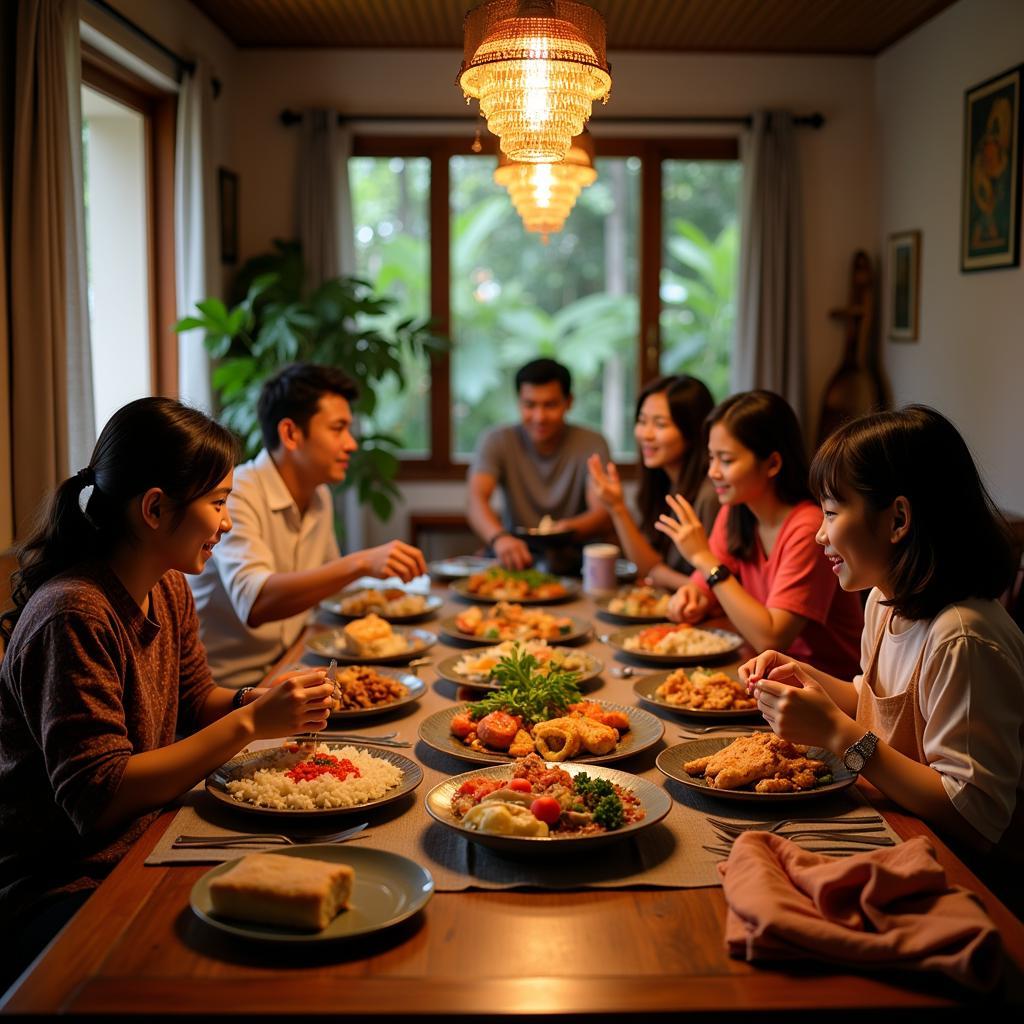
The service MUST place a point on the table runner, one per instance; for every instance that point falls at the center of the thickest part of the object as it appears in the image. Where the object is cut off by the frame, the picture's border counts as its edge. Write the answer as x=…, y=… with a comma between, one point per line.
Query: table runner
x=669, y=854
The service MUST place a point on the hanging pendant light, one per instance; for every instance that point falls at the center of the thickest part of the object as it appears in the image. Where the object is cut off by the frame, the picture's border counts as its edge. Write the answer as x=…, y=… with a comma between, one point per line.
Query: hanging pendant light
x=536, y=66
x=544, y=194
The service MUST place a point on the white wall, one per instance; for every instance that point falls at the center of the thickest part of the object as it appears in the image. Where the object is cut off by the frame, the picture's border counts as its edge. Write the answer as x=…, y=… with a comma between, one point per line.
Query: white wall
x=969, y=361
x=838, y=164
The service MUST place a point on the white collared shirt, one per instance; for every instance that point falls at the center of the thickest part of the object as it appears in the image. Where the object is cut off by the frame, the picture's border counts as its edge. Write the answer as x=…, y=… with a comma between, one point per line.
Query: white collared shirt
x=268, y=536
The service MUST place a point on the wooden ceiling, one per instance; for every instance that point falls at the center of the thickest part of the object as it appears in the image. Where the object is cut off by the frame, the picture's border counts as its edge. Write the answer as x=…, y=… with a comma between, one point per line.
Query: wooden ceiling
x=863, y=27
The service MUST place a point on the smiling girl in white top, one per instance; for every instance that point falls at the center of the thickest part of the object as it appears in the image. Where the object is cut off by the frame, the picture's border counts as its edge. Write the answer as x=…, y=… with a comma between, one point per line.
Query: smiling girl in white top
x=935, y=720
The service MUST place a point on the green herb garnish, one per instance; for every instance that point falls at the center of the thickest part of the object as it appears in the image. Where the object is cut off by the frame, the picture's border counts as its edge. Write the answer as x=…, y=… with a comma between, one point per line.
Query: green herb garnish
x=609, y=813
x=532, y=577
x=526, y=691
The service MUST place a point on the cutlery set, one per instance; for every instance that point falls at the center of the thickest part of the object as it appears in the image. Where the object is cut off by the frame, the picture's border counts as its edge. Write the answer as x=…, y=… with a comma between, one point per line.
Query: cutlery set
x=276, y=839
x=846, y=835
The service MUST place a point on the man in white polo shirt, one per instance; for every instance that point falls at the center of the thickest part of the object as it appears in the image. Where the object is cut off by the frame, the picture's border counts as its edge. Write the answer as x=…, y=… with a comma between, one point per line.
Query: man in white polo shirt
x=281, y=557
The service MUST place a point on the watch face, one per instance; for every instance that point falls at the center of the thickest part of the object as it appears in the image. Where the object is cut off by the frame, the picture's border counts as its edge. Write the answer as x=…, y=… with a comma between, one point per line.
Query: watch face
x=854, y=760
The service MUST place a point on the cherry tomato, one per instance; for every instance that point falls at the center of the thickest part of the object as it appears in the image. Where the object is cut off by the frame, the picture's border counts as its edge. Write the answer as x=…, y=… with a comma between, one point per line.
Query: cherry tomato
x=546, y=809
x=519, y=785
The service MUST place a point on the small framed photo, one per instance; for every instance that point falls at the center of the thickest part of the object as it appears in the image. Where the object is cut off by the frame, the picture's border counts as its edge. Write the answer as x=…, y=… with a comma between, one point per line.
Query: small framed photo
x=228, y=188
x=990, y=221
x=903, y=285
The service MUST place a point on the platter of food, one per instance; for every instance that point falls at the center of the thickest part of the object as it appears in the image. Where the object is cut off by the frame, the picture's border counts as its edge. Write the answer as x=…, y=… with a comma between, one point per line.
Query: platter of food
x=595, y=732
x=539, y=711
x=675, y=643
x=391, y=604
x=312, y=780
x=760, y=767
x=512, y=622
x=635, y=605
x=524, y=586
x=370, y=641
x=533, y=806
x=459, y=566
x=697, y=692
x=351, y=890
x=547, y=531
x=363, y=690
x=475, y=668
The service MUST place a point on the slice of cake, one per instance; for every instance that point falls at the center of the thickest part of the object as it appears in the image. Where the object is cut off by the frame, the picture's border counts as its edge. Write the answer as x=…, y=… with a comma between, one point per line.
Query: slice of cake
x=292, y=891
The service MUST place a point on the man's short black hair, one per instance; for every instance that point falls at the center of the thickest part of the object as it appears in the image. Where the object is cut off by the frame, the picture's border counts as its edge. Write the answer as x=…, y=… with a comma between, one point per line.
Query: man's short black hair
x=544, y=371
x=294, y=393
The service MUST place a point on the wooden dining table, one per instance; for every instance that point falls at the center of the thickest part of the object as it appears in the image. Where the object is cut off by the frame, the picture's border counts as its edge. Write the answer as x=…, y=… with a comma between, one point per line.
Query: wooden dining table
x=137, y=947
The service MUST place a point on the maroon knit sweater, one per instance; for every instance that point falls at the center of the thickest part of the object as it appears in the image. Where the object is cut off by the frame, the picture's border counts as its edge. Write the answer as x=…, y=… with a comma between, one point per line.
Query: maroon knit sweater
x=86, y=682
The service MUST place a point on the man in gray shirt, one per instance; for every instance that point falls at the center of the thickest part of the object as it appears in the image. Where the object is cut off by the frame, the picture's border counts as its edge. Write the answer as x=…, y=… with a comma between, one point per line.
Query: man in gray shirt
x=540, y=465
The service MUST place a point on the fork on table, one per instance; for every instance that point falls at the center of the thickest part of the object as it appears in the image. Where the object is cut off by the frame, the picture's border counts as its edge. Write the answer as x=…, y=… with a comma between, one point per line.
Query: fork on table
x=736, y=827
x=217, y=842
x=743, y=729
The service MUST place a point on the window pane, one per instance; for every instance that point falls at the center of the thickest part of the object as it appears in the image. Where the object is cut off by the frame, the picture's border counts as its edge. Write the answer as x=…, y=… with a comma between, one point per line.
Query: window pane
x=698, y=273
x=390, y=207
x=117, y=251
x=515, y=299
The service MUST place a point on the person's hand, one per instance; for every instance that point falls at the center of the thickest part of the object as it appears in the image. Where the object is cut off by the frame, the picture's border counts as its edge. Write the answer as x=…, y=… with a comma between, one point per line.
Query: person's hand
x=688, y=604
x=512, y=552
x=293, y=703
x=760, y=666
x=605, y=482
x=686, y=531
x=797, y=708
x=396, y=558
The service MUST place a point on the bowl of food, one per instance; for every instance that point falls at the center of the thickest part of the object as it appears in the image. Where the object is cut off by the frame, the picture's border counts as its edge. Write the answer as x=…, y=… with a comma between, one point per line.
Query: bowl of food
x=531, y=806
x=391, y=604
x=475, y=668
x=698, y=693
x=525, y=586
x=635, y=605
x=505, y=621
x=675, y=643
x=370, y=640
x=760, y=768
x=364, y=690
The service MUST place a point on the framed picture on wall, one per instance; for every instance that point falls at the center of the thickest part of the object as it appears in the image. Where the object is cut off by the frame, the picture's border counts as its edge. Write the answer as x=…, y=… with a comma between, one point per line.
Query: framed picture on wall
x=903, y=285
x=228, y=189
x=990, y=221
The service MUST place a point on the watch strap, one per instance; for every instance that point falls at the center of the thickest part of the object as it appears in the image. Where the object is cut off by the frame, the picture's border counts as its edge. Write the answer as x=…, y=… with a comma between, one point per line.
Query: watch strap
x=861, y=750
x=717, y=575
x=239, y=698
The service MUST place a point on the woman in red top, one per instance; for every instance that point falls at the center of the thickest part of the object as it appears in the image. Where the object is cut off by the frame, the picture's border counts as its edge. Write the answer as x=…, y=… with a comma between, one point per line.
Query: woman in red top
x=761, y=565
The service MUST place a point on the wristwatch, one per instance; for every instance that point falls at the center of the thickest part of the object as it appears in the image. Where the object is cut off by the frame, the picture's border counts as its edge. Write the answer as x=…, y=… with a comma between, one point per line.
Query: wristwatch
x=239, y=698
x=498, y=536
x=857, y=754
x=719, y=573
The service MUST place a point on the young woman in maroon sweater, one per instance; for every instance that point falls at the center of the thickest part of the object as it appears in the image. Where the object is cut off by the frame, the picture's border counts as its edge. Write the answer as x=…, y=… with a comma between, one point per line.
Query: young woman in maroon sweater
x=107, y=707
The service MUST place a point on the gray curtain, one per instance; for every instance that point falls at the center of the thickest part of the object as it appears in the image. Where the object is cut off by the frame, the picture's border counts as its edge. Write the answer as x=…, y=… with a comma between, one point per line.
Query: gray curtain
x=324, y=205
x=51, y=380
x=770, y=332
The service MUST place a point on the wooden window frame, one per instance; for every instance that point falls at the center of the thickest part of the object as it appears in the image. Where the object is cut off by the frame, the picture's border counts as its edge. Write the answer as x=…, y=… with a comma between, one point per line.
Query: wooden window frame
x=439, y=465
x=159, y=110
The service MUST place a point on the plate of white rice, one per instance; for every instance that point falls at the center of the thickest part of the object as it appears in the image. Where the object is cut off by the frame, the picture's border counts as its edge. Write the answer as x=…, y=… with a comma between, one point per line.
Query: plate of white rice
x=258, y=781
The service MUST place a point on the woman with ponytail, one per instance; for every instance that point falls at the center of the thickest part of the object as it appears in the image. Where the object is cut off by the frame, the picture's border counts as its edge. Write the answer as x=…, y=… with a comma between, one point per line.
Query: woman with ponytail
x=107, y=707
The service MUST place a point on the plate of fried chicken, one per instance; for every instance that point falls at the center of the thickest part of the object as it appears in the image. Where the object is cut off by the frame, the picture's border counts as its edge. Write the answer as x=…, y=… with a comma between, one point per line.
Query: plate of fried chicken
x=759, y=767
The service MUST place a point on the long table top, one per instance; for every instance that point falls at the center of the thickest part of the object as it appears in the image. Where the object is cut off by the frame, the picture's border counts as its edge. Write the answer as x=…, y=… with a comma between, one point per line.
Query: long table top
x=136, y=946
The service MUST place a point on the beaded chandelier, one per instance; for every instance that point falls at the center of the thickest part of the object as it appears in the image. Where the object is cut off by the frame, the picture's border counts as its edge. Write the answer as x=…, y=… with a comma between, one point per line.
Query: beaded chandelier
x=543, y=194
x=536, y=66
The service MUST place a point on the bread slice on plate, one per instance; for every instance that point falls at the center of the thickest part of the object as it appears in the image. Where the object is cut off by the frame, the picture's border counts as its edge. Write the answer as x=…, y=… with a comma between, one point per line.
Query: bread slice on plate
x=296, y=892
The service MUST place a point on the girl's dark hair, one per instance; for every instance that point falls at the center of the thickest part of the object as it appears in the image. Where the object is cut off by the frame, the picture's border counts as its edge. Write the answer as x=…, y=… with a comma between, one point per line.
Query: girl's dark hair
x=151, y=442
x=763, y=422
x=689, y=403
x=959, y=544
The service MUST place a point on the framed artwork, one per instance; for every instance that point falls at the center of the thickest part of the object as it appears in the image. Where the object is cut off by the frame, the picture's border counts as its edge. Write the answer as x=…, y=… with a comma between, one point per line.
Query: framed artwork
x=903, y=285
x=228, y=188
x=990, y=221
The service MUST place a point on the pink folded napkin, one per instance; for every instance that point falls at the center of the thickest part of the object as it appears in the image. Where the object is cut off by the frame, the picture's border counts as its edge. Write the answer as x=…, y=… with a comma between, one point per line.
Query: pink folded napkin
x=890, y=907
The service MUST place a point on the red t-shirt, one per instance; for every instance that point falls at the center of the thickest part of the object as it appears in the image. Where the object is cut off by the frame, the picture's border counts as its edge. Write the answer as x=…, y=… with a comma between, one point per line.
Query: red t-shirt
x=796, y=577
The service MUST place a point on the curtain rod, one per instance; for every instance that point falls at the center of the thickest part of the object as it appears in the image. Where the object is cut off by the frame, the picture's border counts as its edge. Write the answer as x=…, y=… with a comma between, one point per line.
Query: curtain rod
x=814, y=121
x=124, y=21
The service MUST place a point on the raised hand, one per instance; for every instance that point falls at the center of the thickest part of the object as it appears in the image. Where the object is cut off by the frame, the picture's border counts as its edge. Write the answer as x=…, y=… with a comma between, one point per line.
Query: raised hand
x=296, y=702
x=685, y=530
x=797, y=708
x=688, y=604
x=605, y=482
x=512, y=552
x=396, y=558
